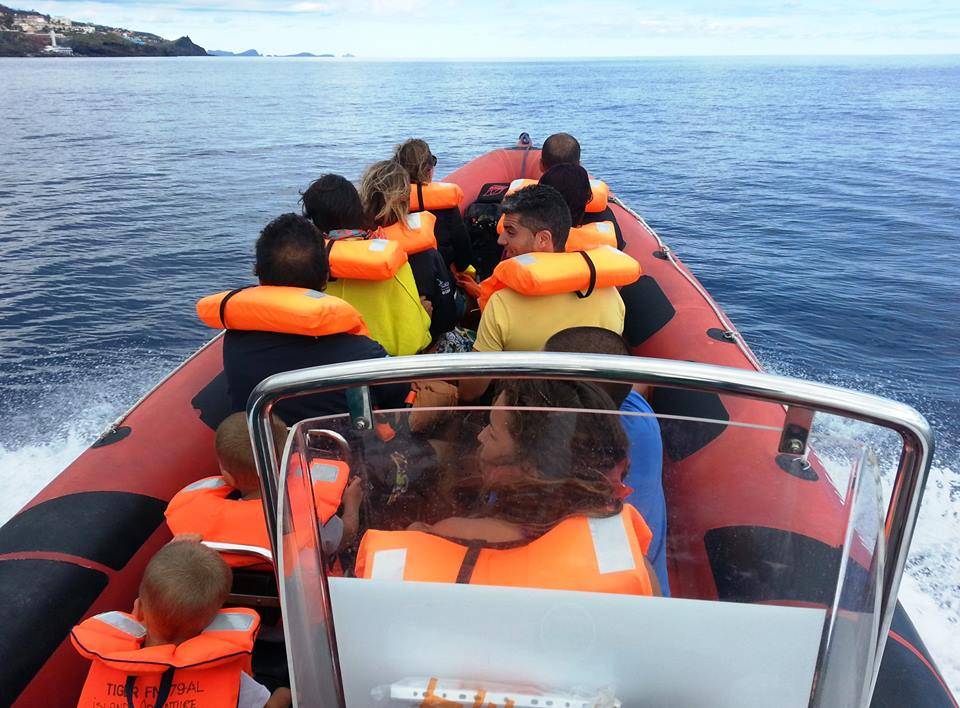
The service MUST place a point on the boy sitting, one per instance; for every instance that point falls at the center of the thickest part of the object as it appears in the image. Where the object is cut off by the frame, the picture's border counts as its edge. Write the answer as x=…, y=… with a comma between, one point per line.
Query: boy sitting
x=227, y=508
x=178, y=642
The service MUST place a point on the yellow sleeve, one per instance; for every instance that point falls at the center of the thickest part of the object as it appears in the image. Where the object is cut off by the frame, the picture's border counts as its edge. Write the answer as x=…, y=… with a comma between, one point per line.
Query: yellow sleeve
x=494, y=326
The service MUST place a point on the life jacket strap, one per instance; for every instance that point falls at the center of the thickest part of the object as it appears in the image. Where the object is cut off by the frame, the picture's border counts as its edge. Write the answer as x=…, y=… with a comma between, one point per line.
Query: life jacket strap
x=420, y=201
x=593, y=277
x=469, y=563
x=163, y=690
x=223, y=308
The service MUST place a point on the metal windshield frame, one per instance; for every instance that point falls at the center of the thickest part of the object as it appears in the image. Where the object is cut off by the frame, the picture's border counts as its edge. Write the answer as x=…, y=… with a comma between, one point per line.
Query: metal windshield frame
x=901, y=514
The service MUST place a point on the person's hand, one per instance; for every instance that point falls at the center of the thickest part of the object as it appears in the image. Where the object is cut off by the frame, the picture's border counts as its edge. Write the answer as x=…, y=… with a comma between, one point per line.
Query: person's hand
x=352, y=496
x=281, y=698
x=427, y=305
x=468, y=285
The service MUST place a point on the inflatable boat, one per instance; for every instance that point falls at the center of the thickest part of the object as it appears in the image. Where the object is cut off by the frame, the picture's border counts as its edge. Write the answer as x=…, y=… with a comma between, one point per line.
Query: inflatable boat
x=784, y=557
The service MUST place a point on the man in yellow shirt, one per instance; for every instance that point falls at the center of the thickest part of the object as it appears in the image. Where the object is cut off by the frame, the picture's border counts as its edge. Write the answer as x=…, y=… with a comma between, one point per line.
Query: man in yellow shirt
x=537, y=220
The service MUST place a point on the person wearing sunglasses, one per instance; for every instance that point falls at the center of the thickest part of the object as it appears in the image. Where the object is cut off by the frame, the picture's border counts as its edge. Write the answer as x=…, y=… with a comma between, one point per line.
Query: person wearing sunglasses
x=440, y=199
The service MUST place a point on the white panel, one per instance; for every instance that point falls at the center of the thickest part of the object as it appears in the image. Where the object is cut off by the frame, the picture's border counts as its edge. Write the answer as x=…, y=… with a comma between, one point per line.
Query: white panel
x=611, y=544
x=650, y=651
x=389, y=565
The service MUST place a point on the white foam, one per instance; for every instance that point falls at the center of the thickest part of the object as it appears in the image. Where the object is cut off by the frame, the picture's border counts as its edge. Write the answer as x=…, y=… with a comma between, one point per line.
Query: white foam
x=28, y=469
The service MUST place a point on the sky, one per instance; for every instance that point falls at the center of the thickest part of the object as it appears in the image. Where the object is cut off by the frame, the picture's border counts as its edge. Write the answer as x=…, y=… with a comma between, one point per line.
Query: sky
x=536, y=28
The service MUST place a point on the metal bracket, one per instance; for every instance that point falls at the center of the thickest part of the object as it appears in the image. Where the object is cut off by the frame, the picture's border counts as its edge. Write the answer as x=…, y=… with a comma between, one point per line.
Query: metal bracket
x=796, y=430
x=361, y=408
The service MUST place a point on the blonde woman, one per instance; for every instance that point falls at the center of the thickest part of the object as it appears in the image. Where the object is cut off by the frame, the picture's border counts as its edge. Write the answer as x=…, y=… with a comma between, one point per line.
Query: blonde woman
x=440, y=199
x=385, y=193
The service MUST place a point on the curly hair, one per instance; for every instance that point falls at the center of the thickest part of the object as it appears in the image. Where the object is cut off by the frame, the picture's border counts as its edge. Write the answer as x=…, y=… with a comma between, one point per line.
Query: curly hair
x=385, y=193
x=415, y=157
x=564, y=458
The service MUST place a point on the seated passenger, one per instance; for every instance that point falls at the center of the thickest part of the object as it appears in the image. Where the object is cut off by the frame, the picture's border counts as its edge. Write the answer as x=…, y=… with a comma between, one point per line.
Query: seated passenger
x=553, y=509
x=227, y=508
x=391, y=308
x=537, y=220
x=440, y=199
x=645, y=476
x=563, y=149
x=178, y=643
x=385, y=193
x=291, y=253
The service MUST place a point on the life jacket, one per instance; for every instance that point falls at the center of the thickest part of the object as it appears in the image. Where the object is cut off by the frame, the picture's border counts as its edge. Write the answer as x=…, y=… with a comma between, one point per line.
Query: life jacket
x=579, y=553
x=590, y=236
x=285, y=310
x=365, y=259
x=598, y=188
x=586, y=237
x=435, y=195
x=204, y=507
x=415, y=234
x=553, y=273
x=600, y=196
x=202, y=671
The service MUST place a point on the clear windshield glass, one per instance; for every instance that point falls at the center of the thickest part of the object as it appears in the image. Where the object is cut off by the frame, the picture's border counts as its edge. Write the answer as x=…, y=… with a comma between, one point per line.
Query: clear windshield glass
x=556, y=547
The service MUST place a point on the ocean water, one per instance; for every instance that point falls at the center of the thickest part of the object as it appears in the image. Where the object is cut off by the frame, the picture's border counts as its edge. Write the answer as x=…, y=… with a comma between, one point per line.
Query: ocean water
x=817, y=199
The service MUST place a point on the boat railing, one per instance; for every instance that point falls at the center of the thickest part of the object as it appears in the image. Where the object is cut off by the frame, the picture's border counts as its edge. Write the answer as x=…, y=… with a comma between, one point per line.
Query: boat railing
x=883, y=560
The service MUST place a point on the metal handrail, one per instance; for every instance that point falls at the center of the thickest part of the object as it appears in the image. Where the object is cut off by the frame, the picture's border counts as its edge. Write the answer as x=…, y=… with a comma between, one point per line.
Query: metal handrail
x=913, y=428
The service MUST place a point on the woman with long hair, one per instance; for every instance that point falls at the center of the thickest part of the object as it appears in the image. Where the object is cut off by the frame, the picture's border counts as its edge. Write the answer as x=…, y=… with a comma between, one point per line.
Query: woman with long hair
x=415, y=156
x=552, y=460
x=385, y=194
x=391, y=308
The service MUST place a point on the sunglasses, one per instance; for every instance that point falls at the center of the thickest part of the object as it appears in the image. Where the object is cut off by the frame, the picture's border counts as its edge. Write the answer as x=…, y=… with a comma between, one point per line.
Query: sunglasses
x=433, y=160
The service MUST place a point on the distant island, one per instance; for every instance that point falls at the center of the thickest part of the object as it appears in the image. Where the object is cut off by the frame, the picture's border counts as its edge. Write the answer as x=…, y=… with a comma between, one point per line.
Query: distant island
x=255, y=53
x=25, y=33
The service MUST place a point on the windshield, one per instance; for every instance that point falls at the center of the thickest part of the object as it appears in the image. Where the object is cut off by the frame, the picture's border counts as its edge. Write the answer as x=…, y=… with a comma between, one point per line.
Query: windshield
x=561, y=544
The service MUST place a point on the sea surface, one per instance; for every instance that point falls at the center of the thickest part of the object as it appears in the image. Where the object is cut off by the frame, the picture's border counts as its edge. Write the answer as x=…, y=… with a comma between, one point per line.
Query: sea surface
x=817, y=199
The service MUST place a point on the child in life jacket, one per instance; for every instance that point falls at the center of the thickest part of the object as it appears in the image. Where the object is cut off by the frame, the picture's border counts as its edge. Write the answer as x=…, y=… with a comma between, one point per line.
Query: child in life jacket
x=178, y=643
x=227, y=508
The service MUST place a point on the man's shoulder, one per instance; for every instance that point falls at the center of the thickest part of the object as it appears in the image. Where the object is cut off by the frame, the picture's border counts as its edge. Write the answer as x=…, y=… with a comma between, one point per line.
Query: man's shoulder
x=635, y=403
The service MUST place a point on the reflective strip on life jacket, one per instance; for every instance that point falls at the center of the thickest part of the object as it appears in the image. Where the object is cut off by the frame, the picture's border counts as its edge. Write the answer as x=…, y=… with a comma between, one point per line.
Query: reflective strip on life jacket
x=329, y=479
x=205, y=668
x=579, y=553
x=590, y=236
x=600, y=194
x=370, y=259
x=553, y=273
x=435, y=195
x=285, y=310
x=415, y=234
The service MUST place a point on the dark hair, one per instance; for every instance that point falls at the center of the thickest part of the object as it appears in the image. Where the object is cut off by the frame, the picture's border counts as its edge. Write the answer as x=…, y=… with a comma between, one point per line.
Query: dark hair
x=565, y=457
x=540, y=207
x=593, y=340
x=559, y=149
x=573, y=183
x=415, y=157
x=290, y=251
x=332, y=202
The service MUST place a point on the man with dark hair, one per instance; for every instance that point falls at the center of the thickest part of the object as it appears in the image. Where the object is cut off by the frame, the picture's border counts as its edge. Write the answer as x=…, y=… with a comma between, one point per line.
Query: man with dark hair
x=537, y=220
x=290, y=252
x=559, y=149
x=563, y=149
x=645, y=475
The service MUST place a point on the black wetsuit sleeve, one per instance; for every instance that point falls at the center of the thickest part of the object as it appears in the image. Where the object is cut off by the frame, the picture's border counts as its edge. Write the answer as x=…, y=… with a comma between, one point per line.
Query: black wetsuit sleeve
x=606, y=215
x=387, y=395
x=453, y=239
x=442, y=297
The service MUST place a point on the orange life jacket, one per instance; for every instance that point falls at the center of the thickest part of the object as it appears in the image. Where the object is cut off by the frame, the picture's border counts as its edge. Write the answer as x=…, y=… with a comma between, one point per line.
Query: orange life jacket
x=435, y=195
x=580, y=553
x=365, y=259
x=286, y=310
x=553, y=273
x=598, y=188
x=600, y=195
x=415, y=234
x=204, y=508
x=590, y=236
x=202, y=671
x=586, y=237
